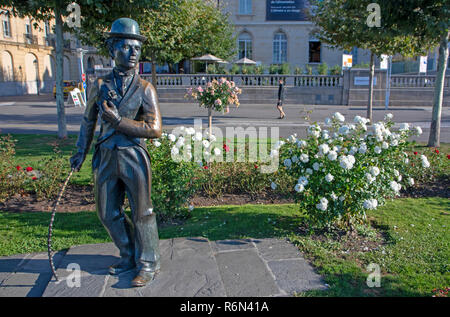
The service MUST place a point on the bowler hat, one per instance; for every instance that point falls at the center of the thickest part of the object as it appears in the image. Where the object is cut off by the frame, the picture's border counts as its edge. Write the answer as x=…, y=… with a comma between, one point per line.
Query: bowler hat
x=125, y=28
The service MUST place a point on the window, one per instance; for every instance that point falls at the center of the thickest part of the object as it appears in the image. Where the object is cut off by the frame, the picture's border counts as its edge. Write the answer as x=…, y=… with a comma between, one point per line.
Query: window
x=6, y=24
x=47, y=28
x=245, y=45
x=245, y=6
x=314, y=51
x=28, y=29
x=279, y=48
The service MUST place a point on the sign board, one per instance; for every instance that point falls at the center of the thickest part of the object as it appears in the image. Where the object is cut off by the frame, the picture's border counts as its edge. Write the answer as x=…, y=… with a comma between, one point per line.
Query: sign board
x=285, y=10
x=98, y=66
x=423, y=64
x=347, y=61
x=77, y=98
x=384, y=62
x=364, y=81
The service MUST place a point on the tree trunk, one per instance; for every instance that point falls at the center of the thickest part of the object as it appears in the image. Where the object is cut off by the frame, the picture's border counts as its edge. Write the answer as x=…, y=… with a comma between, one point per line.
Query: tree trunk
x=435, y=129
x=210, y=122
x=154, y=80
x=61, y=111
x=371, y=76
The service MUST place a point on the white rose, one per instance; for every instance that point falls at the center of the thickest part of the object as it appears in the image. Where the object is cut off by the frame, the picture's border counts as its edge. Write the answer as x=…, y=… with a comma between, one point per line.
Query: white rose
x=156, y=143
x=217, y=151
x=299, y=188
x=329, y=178
x=304, y=158
x=172, y=137
x=332, y=155
x=339, y=117
x=316, y=166
x=273, y=186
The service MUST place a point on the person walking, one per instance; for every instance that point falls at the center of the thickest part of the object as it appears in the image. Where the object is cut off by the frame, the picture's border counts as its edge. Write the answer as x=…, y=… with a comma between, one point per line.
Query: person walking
x=281, y=99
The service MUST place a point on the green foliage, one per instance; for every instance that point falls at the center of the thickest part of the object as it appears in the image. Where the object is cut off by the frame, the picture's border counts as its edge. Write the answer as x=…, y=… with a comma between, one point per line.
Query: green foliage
x=308, y=70
x=218, y=94
x=345, y=170
x=182, y=29
x=298, y=70
x=322, y=69
x=336, y=70
x=343, y=24
x=274, y=69
x=362, y=65
x=211, y=69
x=11, y=180
x=284, y=69
x=259, y=69
x=173, y=182
x=50, y=173
x=235, y=69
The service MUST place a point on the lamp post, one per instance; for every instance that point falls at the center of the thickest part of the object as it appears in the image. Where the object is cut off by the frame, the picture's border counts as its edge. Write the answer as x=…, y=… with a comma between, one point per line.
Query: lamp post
x=36, y=65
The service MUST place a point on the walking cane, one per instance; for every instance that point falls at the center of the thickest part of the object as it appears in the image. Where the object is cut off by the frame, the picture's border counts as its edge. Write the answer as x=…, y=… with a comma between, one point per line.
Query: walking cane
x=50, y=227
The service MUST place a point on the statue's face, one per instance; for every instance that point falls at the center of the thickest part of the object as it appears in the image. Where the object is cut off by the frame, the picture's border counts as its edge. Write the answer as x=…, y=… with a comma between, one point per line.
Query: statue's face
x=126, y=53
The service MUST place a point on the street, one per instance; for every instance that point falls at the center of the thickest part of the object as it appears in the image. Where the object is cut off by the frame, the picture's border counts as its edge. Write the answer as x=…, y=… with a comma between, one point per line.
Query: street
x=37, y=114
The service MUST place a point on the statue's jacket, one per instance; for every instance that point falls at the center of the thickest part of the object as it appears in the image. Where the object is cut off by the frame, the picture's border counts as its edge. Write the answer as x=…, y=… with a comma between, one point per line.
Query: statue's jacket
x=139, y=109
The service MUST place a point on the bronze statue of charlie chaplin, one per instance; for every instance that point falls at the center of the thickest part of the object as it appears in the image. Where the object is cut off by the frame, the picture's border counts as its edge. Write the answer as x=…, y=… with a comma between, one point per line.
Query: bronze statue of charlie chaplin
x=128, y=108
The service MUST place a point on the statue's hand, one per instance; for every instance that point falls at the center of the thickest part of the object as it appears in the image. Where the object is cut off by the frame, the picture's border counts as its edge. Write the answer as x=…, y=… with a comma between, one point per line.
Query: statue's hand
x=110, y=113
x=77, y=160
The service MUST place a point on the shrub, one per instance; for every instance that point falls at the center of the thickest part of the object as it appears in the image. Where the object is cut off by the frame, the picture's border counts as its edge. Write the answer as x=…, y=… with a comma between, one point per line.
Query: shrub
x=346, y=169
x=211, y=69
x=336, y=70
x=48, y=175
x=12, y=178
x=322, y=69
x=235, y=69
x=298, y=70
x=173, y=183
x=284, y=69
x=248, y=69
x=308, y=70
x=259, y=69
x=274, y=69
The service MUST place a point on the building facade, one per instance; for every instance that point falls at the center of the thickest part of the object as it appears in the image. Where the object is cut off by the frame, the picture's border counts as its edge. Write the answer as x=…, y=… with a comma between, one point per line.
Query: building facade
x=276, y=32
x=27, y=56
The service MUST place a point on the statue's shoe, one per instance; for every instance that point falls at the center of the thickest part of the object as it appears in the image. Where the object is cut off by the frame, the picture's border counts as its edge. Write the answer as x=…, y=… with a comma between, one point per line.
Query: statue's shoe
x=143, y=278
x=121, y=267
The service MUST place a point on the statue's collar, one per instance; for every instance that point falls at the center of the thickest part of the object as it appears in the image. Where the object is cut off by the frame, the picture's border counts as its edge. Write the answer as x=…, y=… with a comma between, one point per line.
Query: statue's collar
x=130, y=72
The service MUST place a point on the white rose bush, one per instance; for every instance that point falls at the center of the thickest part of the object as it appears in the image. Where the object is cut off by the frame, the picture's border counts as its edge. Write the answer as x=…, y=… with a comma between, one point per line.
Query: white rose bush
x=344, y=169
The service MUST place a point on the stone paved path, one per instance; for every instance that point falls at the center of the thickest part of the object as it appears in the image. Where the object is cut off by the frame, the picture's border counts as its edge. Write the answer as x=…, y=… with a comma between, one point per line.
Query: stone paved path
x=190, y=267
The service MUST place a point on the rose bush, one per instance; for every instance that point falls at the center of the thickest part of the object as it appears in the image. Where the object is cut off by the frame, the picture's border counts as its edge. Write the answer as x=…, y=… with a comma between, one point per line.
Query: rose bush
x=218, y=95
x=343, y=169
x=177, y=171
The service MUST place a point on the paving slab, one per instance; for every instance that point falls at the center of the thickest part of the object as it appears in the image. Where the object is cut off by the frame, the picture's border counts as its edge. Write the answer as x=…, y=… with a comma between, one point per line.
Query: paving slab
x=294, y=276
x=30, y=276
x=190, y=267
x=245, y=274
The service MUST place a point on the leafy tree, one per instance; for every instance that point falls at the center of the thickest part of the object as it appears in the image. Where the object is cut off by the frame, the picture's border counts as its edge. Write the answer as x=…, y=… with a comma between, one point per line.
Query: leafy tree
x=429, y=19
x=345, y=24
x=96, y=17
x=182, y=29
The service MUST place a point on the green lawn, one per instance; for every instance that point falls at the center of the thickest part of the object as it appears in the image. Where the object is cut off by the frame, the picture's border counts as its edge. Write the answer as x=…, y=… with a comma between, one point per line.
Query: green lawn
x=414, y=258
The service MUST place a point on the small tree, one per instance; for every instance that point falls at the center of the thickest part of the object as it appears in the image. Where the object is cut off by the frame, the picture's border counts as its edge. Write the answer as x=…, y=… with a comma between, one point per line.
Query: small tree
x=182, y=29
x=95, y=18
